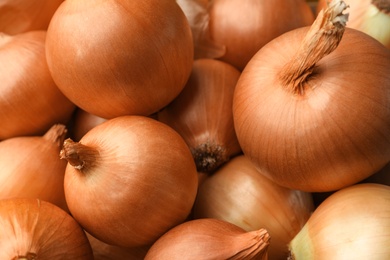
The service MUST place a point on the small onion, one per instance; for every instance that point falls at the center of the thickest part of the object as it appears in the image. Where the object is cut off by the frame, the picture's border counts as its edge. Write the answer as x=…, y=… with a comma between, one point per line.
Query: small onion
x=202, y=114
x=114, y=58
x=312, y=108
x=352, y=223
x=239, y=194
x=30, y=101
x=245, y=26
x=30, y=167
x=210, y=239
x=129, y=180
x=35, y=229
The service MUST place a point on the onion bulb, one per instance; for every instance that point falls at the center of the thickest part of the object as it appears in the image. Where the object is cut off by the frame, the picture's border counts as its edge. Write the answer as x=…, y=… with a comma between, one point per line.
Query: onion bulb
x=19, y=16
x=369, y=16
x=114, y=58
x=202, y=114
x=209, y=239
x=239, y=194
x=36, y=229
x=30, y=167
x=312, y=108
x=129, y=180
x=30, y=101
x=245, y=26
x=352, y=223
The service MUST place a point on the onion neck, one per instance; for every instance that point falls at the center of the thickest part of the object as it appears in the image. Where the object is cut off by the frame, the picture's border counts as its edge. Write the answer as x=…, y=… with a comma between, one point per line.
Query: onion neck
x=209, y=156
x=382, y=5
x=56, y=134
x=78, y=155
x=322, y=38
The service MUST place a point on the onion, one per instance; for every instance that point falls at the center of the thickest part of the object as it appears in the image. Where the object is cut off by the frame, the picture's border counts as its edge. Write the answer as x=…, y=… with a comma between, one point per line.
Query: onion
x=129, y=180
x=209, y=239
x=245, y=26
x=202, y=114
x=114, y=58
x=30, y=167
x=30, y=102
x=369, y=16
x=352, y=223
x=311, y=119
x=19, y=16
x=239, y=194
x=35, y=229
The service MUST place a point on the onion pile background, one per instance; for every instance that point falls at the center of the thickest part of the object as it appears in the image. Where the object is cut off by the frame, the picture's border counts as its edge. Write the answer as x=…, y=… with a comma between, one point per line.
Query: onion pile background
x=195, y=129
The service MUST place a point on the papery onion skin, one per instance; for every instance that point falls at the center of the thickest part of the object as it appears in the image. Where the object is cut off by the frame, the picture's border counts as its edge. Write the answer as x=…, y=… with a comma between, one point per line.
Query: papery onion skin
x=239, y=194
x=129, y=180
x=30, y=101
x=352, y=223
x=19, y=16
x=114, y=58
x=245, y=26
x=30, y=167
x=36, y=229
x=209, y=239
x=333, y=135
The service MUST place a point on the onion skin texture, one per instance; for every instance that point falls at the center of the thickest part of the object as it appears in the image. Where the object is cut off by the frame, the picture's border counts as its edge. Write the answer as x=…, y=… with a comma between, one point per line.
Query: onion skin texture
x=114, y=58
x=30, y=167
x=19, y=16
x=332, y=136
x=209, y=239
x=35, y=229
x=137, y=179
x=30, y=101
x=352, y=223
x=239, y=194
x=202, y=114
x=244, y=27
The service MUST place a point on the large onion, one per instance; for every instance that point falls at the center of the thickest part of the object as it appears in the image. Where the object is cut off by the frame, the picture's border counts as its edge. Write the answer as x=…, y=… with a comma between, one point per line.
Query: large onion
x=311, y=120
x=114, y=58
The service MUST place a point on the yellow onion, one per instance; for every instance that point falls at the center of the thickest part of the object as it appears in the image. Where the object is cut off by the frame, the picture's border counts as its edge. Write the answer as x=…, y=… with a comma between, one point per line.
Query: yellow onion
x=352, y=223
x=209, y=239
x=30, y=101
x=35, y=229
x=312, y=108
x=30, y=167
x=239, y=194
x=202, y=114
x=114, y=58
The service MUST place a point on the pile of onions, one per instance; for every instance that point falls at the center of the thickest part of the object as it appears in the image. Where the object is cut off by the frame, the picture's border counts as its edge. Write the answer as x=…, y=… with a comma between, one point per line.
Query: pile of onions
x=369, y=16
x=30, y=101
x=239, y=194
x=25, y=15
x=30, y=167
x=352, y=223
x=202, y=114
x=129, y=180
x=114, y=58
x=312, y=108
x=209, y=239
x=245, y=26
x=35, y=229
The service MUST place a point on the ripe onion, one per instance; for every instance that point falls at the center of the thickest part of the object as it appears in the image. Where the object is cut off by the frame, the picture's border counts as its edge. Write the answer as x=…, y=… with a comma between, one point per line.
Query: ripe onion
x=35, y=229
x=245, y=26
x=30, y=167
x=202, y=114
x=239, y=194
x=209, y=239
x=19, y=16
x=352, y=223
x=369, y=16
x=30, y=102
x=129, y=180
x=114, y=58
x=312, y=119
